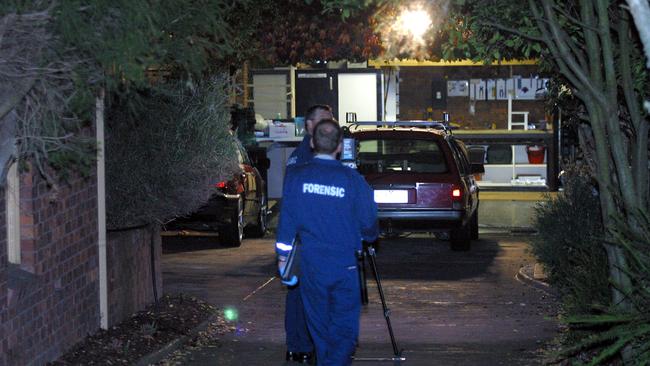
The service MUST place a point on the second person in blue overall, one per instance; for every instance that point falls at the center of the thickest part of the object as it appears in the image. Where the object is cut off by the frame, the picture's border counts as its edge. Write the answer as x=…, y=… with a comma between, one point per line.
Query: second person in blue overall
x=331, y=208
x=300, y=347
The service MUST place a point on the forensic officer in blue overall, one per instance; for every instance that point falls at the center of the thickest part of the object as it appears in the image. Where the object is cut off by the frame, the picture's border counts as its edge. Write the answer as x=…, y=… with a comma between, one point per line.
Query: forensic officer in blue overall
x=300, y=347
x=331, y=208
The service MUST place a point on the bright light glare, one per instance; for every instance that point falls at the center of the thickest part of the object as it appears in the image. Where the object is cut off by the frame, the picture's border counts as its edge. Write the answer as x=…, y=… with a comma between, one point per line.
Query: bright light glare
x=416, y=22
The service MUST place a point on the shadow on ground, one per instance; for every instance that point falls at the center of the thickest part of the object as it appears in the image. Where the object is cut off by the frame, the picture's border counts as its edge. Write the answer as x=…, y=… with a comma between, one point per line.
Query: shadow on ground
x=421, y=257
x=186, y=243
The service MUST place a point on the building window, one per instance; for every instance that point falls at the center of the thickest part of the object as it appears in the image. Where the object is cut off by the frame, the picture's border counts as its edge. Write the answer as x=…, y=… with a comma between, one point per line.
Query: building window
x=12, y=199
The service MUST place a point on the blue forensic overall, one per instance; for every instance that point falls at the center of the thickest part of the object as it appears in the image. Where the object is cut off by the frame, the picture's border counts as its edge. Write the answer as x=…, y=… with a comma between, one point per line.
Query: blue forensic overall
x=295, y=325
x=331, y=208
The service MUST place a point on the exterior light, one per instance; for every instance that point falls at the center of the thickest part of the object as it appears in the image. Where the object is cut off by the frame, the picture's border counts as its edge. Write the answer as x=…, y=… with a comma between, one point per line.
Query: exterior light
x=414, y=22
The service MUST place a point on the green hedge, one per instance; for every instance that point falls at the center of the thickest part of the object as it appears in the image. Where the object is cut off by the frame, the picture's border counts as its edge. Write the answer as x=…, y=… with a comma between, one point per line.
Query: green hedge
x=163, y=156
x=570, y=245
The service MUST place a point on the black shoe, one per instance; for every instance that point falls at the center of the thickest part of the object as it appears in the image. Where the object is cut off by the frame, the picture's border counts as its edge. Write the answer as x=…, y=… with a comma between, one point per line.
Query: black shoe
x=304, y=357
x=300, y=357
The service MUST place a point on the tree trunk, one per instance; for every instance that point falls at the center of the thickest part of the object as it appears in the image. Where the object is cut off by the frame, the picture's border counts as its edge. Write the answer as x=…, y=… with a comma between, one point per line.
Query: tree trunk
x=595, y=83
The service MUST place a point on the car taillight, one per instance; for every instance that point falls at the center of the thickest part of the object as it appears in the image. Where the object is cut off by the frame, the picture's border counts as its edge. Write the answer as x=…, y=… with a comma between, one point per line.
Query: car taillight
x=221, y=184
x=456, y=193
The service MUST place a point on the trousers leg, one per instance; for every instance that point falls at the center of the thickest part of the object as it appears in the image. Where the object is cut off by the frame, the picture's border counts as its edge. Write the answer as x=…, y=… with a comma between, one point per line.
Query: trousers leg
x=332, y=306
x=345, y=310
x=316, y=302
x=295, y=323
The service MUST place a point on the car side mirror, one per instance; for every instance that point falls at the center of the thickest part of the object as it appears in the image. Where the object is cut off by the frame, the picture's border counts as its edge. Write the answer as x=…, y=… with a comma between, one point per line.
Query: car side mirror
x=476, y=168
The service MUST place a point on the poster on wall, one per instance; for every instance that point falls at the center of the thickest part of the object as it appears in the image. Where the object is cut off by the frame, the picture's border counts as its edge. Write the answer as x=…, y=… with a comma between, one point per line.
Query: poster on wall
x=510, y=87
x=477, y=89
x=491, y=89
x=541, y=88
x=501, y=89
x=457, y=88
x=525, y=88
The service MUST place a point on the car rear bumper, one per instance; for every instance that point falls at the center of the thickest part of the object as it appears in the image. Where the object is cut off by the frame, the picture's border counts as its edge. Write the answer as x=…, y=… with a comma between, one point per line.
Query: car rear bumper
x=218, y=211
x=218, y=205
x=419, y=219
x=414, y=214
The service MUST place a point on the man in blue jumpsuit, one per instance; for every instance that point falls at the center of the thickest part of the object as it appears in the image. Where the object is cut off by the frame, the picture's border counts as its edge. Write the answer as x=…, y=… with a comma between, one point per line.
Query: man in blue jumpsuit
x=299, y=343
x=315, y=114
x=331, y=208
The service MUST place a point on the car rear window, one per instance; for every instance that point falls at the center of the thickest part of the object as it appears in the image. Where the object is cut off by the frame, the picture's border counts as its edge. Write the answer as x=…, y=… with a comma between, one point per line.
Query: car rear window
x=398, y=155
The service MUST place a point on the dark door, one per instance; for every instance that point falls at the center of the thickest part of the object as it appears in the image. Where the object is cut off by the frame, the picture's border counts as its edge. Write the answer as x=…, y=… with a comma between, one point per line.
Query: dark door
x=316, y=87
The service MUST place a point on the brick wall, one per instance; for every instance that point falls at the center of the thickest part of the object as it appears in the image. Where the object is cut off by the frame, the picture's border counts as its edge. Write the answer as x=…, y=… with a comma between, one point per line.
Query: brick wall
x=416, y=95
x=50, y=301
x=130, y=286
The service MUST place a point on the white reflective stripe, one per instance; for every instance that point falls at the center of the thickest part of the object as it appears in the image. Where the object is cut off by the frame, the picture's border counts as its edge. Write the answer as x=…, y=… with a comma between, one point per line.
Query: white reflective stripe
x=283, y=246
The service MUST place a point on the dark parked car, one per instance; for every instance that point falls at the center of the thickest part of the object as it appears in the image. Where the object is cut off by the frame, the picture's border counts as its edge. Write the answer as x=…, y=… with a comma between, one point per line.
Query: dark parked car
x=422, y=179
x=238, y=206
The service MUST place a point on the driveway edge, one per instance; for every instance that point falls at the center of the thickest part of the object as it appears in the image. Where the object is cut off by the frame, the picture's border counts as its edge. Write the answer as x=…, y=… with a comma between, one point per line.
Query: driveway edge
x=523, y=277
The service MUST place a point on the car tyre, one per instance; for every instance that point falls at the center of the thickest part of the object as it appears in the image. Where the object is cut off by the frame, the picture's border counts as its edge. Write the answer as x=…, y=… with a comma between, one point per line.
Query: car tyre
x=232, y=235
x=460, y=238
x=474, y=226
x=261, y=224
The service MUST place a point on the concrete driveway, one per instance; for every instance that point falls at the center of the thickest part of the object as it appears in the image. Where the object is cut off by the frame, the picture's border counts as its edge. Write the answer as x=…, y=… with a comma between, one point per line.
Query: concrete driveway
x=448, y=308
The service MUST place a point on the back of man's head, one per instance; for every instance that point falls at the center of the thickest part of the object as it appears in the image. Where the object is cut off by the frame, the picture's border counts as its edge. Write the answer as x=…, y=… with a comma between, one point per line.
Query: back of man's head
x=327, y=136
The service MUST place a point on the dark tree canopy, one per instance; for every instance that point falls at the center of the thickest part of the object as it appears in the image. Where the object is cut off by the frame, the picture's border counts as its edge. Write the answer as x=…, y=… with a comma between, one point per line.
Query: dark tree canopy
x=296, y=32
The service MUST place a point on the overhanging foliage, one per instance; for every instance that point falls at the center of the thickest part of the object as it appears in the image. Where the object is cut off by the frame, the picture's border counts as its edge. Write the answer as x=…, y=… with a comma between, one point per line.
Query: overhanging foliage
x=163, y=158
x=39, y=87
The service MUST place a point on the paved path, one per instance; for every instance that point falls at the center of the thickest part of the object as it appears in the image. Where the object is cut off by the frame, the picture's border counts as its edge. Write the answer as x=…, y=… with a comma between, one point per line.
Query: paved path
x=448, y=308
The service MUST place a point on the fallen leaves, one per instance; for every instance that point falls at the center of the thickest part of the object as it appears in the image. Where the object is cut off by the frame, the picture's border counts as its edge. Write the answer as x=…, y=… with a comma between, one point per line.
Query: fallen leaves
x=148, y=331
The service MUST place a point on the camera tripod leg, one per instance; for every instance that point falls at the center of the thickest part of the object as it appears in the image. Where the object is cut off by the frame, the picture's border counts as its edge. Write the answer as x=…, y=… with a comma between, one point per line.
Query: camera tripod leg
x=363, y=280
x=373, y=266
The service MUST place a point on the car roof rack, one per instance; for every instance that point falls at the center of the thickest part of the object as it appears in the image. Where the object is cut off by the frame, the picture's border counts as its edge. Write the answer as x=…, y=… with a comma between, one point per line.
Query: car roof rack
x=414, y=123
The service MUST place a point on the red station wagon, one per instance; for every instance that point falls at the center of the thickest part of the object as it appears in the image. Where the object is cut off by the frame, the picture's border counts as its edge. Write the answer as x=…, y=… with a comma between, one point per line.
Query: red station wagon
x=422, y=179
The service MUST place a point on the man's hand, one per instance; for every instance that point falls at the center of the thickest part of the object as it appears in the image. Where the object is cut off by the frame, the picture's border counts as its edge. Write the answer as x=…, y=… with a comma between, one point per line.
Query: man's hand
x=282, y=264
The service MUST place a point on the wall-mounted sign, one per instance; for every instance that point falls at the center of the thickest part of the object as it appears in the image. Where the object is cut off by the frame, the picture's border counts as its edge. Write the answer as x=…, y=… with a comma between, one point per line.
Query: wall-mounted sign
x=457, y=88
x=312, y=76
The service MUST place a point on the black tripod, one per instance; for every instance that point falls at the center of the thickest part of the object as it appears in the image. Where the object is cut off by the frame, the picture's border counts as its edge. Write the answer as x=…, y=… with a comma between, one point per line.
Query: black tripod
x=369, y=253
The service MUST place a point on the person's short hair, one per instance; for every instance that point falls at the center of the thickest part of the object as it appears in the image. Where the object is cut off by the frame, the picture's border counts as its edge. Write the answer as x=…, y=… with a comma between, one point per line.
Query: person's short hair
x=313, y=110
x=327, y=136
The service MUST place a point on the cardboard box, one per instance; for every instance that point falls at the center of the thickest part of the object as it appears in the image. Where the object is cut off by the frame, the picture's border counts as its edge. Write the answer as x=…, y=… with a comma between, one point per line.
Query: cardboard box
x=279, y=130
